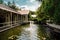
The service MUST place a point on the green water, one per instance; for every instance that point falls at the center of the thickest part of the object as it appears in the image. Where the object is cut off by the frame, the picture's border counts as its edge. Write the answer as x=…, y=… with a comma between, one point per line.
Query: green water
x=26, y=32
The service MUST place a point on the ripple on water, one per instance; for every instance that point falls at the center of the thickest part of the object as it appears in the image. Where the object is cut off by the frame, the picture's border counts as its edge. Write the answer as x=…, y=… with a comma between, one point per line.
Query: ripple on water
x=29, y=33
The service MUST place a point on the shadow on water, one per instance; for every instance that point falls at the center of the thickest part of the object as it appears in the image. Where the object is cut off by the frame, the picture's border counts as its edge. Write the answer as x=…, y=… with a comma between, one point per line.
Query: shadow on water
x=55, y=35
x=48, y=33
x=44, y=32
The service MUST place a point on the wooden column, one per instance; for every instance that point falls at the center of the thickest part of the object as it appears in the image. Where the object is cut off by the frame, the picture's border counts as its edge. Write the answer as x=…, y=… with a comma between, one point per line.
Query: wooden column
x=15, y=18
x=26, y=18
x=8, y=18
x=21, y=18
x=5, y=17
x=11, y=19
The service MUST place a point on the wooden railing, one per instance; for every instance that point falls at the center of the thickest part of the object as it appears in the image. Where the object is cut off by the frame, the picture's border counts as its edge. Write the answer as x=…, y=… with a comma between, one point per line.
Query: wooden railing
x=9, y=24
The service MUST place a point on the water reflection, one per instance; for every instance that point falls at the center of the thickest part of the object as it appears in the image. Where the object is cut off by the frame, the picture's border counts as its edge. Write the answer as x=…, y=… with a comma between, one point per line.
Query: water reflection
x=29, y=33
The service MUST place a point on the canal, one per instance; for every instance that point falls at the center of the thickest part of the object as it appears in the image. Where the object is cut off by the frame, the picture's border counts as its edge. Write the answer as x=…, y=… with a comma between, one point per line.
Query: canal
x=27, y=32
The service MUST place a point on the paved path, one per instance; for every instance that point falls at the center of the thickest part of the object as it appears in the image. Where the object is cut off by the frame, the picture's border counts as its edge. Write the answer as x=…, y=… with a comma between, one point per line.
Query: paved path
x=54, y=26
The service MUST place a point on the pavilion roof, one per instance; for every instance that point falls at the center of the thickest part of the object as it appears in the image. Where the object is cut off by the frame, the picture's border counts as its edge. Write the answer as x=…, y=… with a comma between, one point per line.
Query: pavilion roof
x=4, y=7
x=22, y=12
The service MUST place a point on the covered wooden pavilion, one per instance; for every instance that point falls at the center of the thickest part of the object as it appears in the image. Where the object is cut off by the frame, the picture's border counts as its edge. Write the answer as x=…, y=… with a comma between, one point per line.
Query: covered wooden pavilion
x=10, y=17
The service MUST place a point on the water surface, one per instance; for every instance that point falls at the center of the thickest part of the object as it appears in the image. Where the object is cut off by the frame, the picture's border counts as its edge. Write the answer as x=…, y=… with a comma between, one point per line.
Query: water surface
x=26, y=32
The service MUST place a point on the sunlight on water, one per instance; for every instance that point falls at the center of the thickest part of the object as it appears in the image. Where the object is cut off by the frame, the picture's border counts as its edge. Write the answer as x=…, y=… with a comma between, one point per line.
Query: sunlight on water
x=29, y=33
x=26, y=32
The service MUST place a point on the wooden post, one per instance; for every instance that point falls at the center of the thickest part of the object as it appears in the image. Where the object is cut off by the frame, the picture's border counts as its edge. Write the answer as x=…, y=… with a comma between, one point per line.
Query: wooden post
x=11, y=19
x=8, y=17
x=21, y=18
x=26, y=18
x=15, y=19
x=18, y=18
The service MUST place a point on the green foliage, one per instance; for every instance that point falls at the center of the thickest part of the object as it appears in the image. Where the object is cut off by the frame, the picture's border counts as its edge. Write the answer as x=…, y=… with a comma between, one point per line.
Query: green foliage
x=57, y=13
x=12, y=5
x=9, y=3
x=1, y=1
x=50, y=9
x=38, y=0
x=31, y=13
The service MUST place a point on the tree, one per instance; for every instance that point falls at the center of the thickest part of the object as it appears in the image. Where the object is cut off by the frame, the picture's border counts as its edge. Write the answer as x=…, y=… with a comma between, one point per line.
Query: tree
x=31, y=13
x=57, y=12
x=12, y=5
x=50, y=9
x=46, y=10
x=9, y=3
x=1, y=1
x=38, y=0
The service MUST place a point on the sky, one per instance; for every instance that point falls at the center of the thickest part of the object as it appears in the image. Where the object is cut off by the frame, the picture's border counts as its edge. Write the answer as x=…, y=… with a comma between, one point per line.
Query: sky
x=26, y=4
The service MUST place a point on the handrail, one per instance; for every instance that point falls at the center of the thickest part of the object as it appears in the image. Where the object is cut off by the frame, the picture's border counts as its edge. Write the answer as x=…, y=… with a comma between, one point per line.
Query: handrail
x=9, y=25
x=9, y=22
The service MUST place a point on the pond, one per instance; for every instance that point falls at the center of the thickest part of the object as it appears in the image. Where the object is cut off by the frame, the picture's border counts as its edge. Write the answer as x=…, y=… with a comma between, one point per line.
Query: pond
x=27, y=32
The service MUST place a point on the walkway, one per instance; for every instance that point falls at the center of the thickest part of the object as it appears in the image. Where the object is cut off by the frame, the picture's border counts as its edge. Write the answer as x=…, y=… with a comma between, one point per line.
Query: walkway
x=54, y=26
